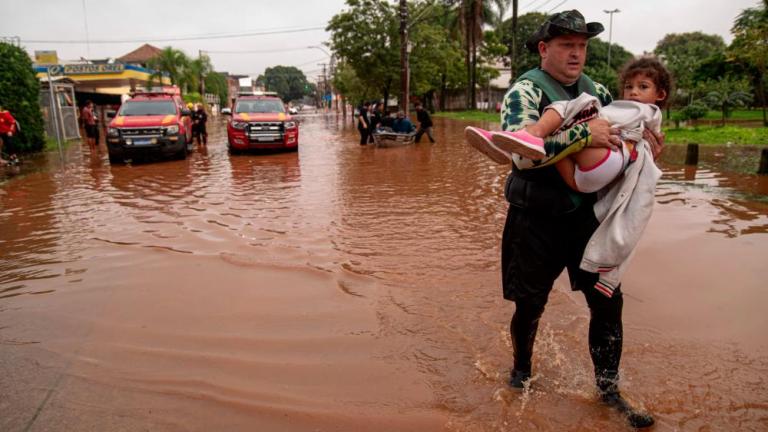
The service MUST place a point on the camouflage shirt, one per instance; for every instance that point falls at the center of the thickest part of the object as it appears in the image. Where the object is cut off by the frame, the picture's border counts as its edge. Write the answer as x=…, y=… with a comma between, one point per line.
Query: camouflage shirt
x=522, y=106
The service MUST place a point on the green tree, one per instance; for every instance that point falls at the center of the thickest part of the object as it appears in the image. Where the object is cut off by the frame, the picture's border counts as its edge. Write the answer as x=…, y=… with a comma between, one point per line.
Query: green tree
x=750, y=45
x=473, y=15
x=349, y=85
x=365, y=37
x=725, y=94
x=436, y=59
x=526, y=26
x=20, y=94
x=683, y=53
x=172, y=62
x=216, y=83
x=193, y=73
x=597, y=66
x=289, y=82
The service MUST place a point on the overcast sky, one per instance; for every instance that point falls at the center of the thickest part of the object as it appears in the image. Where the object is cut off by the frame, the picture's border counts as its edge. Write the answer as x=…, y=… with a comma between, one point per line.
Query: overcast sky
x=639, y=25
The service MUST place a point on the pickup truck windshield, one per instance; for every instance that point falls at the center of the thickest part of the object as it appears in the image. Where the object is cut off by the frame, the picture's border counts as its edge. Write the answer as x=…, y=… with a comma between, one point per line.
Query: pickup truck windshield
x=146, y=108
x=259, y=106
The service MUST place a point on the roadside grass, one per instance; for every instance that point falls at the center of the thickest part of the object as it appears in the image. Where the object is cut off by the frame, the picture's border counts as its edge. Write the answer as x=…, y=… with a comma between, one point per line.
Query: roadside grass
x=469, y=115
x=755, y=115
x=718, y=135
x=704, y=135
x=51, y=146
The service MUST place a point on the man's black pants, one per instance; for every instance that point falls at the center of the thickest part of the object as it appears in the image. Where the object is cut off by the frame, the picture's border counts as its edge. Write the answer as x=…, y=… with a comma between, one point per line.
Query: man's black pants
x=546, y=232
x=422, y=130
x=363, y=135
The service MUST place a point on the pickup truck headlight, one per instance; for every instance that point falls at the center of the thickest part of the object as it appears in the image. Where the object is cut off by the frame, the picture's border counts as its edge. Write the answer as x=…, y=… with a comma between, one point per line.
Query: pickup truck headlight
x=290, y=125
x=172, y=130
x=113, y=132
x=239, y=125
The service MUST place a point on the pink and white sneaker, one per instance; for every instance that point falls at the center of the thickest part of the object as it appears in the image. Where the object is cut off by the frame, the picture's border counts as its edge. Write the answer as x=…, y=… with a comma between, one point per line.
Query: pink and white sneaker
x=520, y=142
x=480, y=139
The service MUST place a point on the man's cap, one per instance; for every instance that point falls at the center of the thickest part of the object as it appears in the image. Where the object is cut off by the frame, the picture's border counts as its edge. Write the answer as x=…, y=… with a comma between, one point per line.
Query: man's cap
x=563, y=23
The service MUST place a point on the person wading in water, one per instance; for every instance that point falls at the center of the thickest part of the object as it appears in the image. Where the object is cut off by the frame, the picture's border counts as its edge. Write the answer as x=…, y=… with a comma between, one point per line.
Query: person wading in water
x=548, y=224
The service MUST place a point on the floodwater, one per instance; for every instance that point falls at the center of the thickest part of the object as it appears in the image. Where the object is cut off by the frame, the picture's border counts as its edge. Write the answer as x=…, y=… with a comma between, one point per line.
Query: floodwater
x=353, y=288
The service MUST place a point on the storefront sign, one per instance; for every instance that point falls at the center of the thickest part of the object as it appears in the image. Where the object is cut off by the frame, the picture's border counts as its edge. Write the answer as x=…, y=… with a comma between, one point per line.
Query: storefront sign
x=78, y=69
x=46, y=57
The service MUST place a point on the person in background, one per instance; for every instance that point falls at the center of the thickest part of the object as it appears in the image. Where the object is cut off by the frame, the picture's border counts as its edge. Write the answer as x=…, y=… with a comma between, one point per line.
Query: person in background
x=376, y=117
x=8, y=128
x=363, y=124
x=425, y=123
x=200, y=119
x=89, y=122
x=403, y=124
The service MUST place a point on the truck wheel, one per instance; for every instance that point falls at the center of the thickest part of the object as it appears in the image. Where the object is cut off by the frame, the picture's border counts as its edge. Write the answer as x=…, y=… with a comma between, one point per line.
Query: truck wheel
x=116, y=157
x=182, y=153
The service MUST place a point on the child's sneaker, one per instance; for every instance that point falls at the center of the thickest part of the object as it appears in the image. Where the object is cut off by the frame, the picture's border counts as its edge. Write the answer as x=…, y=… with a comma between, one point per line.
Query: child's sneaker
x=481, y=140
x=520, y=142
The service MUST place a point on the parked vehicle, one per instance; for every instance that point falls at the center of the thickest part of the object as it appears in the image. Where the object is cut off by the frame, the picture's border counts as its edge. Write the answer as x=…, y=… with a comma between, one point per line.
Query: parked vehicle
x=260, y=122
x=151, y=122
x=226, y=111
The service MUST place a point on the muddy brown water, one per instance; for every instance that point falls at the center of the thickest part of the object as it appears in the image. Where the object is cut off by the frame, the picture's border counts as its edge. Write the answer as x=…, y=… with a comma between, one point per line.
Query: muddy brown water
x=353, y=288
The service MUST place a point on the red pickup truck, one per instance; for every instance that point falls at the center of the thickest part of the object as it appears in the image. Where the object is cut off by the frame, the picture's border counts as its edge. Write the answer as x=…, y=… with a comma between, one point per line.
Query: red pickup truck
x=260, y=122
x=150, y=123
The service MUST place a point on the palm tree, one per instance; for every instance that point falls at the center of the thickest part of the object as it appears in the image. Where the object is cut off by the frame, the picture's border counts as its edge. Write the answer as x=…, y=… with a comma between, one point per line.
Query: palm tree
x=195, y=72
x=171, y=61
x=502, y=6
x=473, y=15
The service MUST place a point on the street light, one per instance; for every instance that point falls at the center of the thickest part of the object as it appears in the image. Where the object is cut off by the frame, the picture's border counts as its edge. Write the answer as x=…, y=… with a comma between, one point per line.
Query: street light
x=610, y=32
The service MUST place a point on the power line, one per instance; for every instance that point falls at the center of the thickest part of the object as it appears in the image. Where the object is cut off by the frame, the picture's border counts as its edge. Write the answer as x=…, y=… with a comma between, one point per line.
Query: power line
x=558, y=5
x=178, y=38
x=265, y=51
x=542, y=5
x=530, y=4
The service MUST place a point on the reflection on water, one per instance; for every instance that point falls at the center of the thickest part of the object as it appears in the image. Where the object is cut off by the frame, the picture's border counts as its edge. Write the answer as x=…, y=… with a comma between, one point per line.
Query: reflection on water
x=718, y=180
x=342, y=286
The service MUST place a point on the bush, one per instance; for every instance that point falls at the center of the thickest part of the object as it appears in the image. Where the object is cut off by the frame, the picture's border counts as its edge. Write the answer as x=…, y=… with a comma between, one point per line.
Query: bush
x=694, y=111
x=20, y=94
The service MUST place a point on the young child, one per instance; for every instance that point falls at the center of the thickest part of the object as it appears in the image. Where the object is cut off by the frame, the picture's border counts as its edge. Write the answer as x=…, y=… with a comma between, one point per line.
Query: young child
x=645, y=87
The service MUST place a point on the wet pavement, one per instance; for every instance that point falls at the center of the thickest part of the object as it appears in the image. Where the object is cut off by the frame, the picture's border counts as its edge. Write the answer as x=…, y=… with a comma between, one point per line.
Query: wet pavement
x=347, y=287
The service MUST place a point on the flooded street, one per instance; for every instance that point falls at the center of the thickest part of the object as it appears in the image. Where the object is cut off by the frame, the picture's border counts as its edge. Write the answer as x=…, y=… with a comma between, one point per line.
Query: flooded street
x=352, y=288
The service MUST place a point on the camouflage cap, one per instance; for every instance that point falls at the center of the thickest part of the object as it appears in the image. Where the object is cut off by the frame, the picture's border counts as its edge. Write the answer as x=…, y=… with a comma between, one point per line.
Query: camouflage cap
x=563, y=23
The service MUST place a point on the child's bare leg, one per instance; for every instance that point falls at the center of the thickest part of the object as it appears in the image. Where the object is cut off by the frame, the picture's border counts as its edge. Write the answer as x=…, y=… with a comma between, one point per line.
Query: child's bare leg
x=549, y=122
x=589, y=157
x=567, y=170
x=585, y=159
x=591, y=169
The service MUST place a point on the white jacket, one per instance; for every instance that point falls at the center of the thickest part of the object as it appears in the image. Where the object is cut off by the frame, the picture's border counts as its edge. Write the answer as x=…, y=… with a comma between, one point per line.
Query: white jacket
x=625, y=206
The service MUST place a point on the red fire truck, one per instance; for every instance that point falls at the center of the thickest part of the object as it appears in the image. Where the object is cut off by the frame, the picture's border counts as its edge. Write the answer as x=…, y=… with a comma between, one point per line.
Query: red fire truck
x=259, y=121
x=151, y=122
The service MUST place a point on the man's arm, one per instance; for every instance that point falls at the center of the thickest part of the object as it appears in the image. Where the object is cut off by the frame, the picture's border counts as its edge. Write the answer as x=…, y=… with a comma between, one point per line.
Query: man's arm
x=520, y=109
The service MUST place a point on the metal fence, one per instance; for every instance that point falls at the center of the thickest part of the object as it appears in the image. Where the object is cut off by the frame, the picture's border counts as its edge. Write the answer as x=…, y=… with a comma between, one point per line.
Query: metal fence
x=65, y=112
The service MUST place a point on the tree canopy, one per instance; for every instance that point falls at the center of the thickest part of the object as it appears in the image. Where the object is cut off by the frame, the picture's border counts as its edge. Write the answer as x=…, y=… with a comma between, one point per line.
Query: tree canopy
x=289, y=82
x=683, y=53
x=20, y=94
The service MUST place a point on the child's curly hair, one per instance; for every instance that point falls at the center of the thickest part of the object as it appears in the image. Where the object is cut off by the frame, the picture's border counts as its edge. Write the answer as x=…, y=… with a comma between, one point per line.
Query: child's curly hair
x=653, y=69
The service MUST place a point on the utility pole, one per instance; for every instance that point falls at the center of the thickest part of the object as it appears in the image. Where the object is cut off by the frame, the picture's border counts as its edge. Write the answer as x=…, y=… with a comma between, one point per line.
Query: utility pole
x=404, y=66
x=610, y=31
x=325, y=84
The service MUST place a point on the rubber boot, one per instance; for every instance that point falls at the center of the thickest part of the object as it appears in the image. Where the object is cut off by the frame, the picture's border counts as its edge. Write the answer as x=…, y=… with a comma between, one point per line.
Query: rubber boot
x=605, y=345
x=523, y=328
